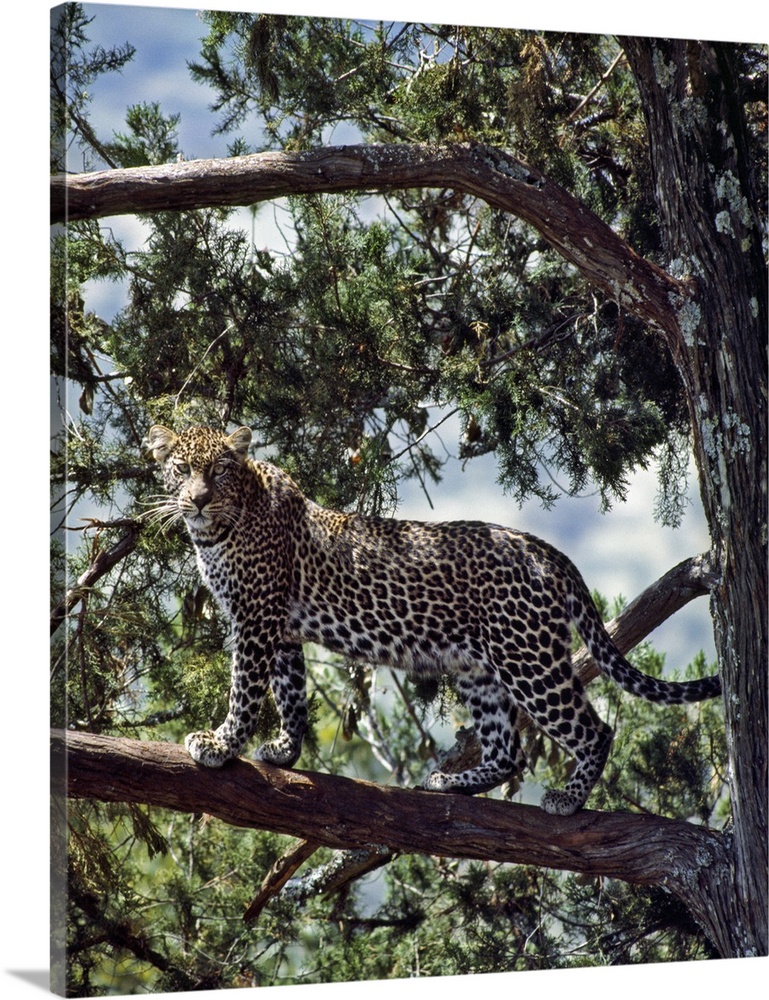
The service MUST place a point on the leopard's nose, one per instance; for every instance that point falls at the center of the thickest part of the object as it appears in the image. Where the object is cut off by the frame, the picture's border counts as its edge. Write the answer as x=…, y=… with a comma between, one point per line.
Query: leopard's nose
x=201, y=498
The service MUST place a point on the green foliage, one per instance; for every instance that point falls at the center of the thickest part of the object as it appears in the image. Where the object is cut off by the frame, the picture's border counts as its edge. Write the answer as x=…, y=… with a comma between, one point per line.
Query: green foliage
x=73, y=70
x=346, y=354
x=337, y=352
x=151, y=137
x=673, y=762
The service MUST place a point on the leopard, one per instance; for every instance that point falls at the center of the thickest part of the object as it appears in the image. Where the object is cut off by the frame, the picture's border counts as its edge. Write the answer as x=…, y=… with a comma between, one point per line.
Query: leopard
x=491, y=608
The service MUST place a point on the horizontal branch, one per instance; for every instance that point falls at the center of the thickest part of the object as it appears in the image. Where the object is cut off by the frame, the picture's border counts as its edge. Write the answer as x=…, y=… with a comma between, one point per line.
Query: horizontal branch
x=491, y=174
x=344, y=813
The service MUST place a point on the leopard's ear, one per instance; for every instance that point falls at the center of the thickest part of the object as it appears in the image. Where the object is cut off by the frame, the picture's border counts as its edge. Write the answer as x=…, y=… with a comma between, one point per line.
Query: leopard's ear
x=160, y=441
x=239, y=441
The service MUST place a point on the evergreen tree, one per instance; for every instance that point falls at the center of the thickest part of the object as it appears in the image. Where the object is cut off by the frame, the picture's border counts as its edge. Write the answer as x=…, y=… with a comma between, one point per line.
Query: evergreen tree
x=392, y=312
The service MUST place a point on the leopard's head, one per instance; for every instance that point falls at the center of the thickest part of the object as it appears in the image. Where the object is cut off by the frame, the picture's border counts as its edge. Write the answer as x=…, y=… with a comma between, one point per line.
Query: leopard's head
x=202, y=471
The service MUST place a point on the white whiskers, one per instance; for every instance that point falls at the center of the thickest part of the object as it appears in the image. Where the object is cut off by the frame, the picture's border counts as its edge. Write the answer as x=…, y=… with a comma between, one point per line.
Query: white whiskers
x=162, y=511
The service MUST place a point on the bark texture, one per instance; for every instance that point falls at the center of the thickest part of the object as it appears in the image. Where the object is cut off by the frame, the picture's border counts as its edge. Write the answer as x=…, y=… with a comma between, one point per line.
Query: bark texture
x=690, y=92
x=488, y=173
x=343, y=813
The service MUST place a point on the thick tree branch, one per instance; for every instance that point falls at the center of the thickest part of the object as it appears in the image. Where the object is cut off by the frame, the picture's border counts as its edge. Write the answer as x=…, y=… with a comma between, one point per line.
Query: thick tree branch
x=491, y=174
x=343, y=813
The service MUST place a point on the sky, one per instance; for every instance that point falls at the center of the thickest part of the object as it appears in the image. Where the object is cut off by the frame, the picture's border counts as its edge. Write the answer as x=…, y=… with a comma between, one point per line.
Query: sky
x=620, y=552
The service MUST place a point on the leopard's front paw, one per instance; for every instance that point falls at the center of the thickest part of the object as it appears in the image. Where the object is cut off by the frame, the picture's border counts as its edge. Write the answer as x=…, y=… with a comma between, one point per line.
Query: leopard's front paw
x=207, y=749
x=559, y=803
x=284, y=751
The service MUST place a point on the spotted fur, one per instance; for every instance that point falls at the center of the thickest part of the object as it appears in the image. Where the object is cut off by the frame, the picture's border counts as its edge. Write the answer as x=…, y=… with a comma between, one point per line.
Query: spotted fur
x=490, y=606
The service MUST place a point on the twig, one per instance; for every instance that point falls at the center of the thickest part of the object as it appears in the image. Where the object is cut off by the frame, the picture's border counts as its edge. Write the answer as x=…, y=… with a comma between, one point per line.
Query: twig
x=278, y=875
x=586, y=100
x=208, y=350
x=102, y=563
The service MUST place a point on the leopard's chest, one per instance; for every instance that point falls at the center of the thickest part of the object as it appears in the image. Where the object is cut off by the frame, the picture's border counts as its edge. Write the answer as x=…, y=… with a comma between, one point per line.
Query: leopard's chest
x=223, y=572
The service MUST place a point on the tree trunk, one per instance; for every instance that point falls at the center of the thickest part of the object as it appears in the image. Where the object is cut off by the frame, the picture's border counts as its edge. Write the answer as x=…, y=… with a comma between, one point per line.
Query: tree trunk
x=704, y=192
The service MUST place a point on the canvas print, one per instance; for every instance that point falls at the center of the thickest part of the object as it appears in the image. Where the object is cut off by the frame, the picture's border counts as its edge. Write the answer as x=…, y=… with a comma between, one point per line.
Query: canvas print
x=409, y=492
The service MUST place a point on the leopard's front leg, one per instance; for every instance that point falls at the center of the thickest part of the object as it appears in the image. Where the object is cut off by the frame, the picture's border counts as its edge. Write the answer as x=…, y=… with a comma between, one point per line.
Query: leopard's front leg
x=289, y=689
x=252, y=661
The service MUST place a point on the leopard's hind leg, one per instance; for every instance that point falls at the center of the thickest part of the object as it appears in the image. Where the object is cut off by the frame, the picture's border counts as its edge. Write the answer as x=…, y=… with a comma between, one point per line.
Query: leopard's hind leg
x=494, y=716
x=565, y=714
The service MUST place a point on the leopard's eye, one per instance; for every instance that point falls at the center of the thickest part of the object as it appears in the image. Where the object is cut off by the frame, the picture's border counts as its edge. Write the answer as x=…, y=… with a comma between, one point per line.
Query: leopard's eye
x=182, y=468
x=219, y=468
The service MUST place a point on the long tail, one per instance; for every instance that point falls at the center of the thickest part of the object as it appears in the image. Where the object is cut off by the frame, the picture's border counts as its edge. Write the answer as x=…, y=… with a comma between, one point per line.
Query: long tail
x=614, y=665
